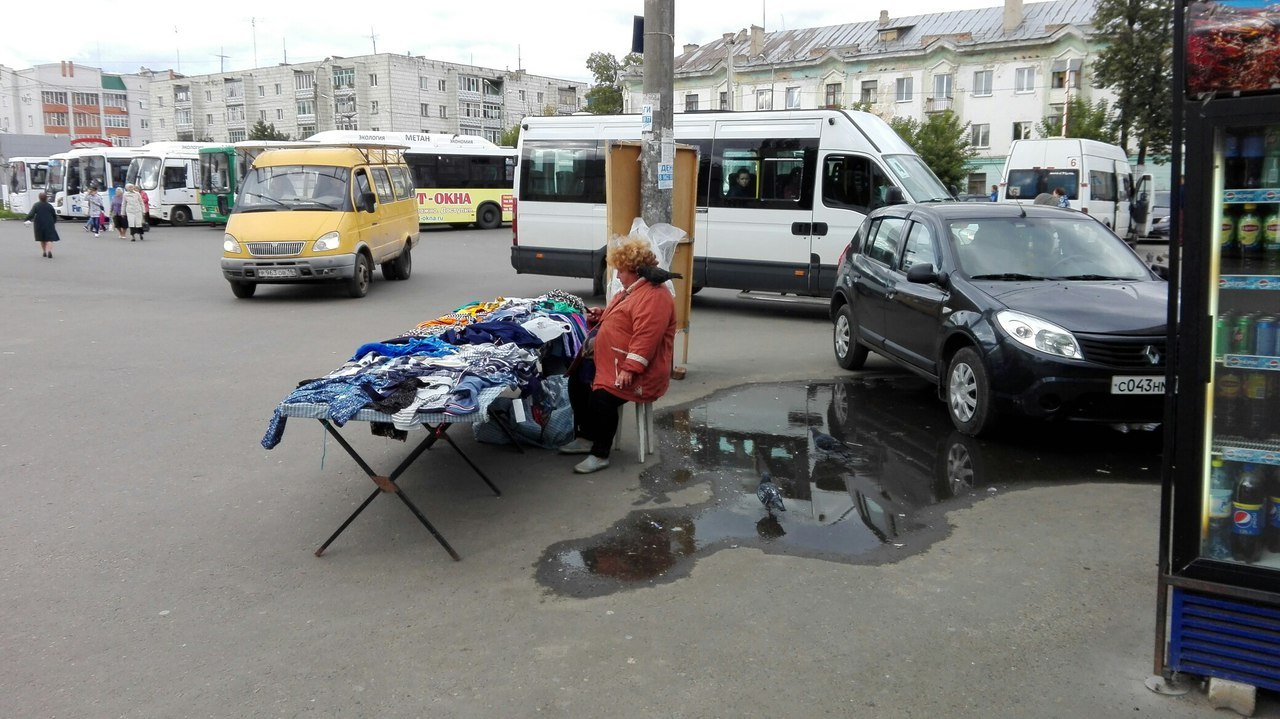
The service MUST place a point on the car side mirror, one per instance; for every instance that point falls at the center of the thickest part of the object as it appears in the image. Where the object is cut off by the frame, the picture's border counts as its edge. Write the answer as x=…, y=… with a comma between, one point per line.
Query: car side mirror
x=368, y=201
x=1161, y=270
x=894, y=196
x=925, y=274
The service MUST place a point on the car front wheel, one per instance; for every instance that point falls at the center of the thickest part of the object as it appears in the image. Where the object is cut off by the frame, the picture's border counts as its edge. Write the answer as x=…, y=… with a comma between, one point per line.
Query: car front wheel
x=844, y=338
x=969, y=393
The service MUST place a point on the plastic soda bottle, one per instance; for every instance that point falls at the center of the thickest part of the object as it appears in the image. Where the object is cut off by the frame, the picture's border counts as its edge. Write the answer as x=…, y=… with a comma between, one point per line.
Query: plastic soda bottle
x=1227, y=236
x=1220, y=491
x=1271, y=232
x=1272, y=532
x=1249, y=232
x=1271, y=166
x=1247, y=513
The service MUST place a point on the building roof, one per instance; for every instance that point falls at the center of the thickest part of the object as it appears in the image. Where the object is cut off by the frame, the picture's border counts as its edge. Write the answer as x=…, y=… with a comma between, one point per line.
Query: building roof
x=852, y=41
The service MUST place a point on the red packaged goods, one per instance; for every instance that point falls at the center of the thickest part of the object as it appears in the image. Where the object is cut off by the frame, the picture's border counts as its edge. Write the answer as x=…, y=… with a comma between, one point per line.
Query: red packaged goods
x=1233, y=46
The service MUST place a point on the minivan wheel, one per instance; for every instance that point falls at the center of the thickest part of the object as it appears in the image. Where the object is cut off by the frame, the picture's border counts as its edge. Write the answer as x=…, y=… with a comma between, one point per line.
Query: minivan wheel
x=969, y=393
x=844, y=338
x=489, y=217
x=358, y=286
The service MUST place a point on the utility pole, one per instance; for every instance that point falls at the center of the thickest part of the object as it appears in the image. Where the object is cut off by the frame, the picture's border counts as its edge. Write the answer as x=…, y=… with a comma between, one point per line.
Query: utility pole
x=658, y=145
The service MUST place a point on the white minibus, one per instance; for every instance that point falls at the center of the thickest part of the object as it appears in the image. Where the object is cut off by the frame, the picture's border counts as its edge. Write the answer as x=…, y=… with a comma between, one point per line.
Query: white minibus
x=27, y=178
x=779, y=193
x=72, y=173
x=1095, y=176
x=168, y=172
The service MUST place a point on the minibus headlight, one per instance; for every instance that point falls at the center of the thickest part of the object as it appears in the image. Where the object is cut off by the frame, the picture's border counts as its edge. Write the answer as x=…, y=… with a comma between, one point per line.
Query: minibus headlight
x=328, y=241
x=229, y=244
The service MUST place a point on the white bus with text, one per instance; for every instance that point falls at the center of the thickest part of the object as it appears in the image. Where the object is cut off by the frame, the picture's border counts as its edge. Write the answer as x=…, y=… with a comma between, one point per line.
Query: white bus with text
x=27, y=179
x=72, y=173
x=168, y=172
x=779, y=193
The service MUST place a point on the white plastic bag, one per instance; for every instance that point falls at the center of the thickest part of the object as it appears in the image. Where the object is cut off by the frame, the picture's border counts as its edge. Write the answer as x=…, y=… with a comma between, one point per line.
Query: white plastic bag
x=662, y=238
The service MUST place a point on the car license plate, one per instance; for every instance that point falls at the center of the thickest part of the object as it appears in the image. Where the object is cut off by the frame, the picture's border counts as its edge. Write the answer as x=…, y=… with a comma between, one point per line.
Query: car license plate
x=279, y=272
x=1137, y=384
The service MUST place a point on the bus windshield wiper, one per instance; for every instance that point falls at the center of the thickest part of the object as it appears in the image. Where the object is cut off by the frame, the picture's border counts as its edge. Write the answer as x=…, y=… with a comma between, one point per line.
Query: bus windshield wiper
x=1010, y=276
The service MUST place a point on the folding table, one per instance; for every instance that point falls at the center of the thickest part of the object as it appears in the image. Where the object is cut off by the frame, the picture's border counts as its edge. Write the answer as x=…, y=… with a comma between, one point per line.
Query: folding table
x=437, y=428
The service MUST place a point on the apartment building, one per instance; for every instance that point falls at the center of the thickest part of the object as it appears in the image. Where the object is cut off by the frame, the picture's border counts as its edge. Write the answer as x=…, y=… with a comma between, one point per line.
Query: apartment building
x=75, y=101
x=1002, y=69
x=385, y=91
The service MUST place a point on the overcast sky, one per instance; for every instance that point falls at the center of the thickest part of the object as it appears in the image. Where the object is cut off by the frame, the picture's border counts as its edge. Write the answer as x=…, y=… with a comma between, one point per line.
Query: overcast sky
x=546, y=38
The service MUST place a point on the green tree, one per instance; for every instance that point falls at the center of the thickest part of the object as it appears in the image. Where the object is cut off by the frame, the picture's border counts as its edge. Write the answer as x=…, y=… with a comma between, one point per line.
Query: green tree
x=262, y=131
x=941, y=141
x=1137, y=65
x=1085, y=120
x=510, y=137
x=605, y=96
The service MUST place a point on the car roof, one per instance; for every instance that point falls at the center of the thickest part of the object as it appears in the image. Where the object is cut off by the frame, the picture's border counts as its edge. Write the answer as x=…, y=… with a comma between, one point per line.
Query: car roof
x=946, y=211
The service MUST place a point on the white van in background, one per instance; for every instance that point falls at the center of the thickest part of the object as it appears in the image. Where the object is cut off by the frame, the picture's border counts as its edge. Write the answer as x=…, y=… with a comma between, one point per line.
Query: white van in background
x=780, y=194
x=1096, y=176
x=169, y=173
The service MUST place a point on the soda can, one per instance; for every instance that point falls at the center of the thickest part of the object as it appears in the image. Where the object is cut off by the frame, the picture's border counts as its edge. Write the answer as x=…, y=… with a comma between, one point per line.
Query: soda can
x=1242, y=334
x=1265, y=330
x=1222, y=330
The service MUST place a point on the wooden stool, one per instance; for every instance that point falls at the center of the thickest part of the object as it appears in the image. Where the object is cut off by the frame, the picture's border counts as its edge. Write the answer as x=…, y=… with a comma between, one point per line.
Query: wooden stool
x=644, y=429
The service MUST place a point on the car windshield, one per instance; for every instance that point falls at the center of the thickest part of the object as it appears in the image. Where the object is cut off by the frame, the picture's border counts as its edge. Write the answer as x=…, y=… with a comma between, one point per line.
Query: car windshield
x=917, y=179
x=294, y=187
x=1043, y=248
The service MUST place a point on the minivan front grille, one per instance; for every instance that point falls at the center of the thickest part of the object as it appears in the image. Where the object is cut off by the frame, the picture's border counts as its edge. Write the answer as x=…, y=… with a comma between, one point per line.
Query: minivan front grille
x=1124, y=352
x=274, y=249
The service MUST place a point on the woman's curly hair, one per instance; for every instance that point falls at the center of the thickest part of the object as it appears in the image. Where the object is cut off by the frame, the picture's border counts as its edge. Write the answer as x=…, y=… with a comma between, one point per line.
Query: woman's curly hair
x=631, y=254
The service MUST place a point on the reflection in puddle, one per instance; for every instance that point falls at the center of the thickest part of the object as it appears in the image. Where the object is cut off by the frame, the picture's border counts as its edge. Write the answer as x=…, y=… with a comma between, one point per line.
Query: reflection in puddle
x=867, y=468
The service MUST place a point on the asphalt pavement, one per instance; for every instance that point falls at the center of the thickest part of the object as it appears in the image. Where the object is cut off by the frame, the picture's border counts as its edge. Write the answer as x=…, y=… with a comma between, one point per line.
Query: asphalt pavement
x=157, y=562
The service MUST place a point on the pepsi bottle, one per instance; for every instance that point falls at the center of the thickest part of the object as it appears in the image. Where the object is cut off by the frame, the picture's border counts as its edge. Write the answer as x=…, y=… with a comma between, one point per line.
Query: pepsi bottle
x=1272, y=532
x=1220, y=490
x=1247, y=514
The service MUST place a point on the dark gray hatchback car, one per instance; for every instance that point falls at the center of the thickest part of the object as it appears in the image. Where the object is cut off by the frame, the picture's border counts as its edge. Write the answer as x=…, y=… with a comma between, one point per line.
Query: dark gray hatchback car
x=1009, y=309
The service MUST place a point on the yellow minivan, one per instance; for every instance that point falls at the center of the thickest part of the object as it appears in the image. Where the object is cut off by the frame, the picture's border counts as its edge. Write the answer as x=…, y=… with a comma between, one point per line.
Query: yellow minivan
x=321, y=213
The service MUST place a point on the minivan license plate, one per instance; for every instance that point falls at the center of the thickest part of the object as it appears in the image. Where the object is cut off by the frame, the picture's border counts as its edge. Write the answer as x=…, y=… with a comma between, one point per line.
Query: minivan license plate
x=283, y=272
x=1137, y=384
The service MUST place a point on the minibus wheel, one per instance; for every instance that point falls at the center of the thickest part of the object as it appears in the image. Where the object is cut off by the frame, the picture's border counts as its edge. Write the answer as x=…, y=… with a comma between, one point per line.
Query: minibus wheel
x=244, y=290
x=362, y=277
x=488, y=217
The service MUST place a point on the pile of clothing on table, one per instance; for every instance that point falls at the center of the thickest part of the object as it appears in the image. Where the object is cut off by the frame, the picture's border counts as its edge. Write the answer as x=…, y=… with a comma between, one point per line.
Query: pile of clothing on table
x=453, y=366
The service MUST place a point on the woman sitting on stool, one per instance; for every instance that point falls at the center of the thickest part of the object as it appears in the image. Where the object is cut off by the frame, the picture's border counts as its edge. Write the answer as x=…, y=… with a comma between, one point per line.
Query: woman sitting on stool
x=632, y=344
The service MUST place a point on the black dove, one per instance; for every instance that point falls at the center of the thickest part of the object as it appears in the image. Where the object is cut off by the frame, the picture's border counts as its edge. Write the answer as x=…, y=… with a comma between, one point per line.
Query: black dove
x=769, y=494
x=657, y=275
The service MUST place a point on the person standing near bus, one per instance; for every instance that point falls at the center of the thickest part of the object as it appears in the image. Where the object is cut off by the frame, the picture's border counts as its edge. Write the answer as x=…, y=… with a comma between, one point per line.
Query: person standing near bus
x=1060, y=195
x=118, y=219
x=135, y=211
x=93, y=204
x=995, y=193
x=46, y=221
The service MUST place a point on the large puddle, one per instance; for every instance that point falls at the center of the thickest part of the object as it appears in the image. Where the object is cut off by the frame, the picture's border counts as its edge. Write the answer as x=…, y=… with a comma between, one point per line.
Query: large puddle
x=868, y=469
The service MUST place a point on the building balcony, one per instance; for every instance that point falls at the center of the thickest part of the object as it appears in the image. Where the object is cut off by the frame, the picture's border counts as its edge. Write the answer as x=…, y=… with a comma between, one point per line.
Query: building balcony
x=939, y=104
x=304, y=93
x=309, y=119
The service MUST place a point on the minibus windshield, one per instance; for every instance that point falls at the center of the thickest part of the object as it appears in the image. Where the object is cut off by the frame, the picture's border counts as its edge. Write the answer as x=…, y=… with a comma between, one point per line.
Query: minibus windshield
x=295, y=187
x=916, y=178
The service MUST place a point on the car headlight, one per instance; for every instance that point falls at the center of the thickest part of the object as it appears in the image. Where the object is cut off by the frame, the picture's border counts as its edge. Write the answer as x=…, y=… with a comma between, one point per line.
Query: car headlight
x=229, y=244
x=1038, y=334
x=328, y=241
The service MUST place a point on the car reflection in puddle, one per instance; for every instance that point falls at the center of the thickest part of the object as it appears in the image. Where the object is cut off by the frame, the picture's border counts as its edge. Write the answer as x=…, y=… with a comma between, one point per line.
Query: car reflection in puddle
x=868, y=468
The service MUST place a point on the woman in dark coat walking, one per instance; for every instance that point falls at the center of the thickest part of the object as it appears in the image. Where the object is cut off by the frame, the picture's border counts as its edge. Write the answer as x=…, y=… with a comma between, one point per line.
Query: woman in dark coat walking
x=45, y=224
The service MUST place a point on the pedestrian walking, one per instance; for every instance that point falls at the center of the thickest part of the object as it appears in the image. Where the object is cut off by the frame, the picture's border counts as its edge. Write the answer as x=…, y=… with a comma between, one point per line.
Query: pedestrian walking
x=135, y=211
x=45, y=222
x=118, y=220
x=995, y=193
x=93, y=202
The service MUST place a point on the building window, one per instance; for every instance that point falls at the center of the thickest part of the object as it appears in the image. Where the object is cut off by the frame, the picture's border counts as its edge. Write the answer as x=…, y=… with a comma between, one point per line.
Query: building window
x=262, y=91
x=982, y=83
x=569, y=96
x=304, y=80
x=262, y=115
x=56, y=119
x=444, y=111
x=981, y=136
x=306, y=130
x=764, y=99
x=373, y=107
x=373, y=79
x=903, y=92
x=53, y=98
x=422, y=83
x=233, y=89
x=793, y=98
x=942, y=86
x=84, y=98
x=492, y=111
x=834, y=91
x=1022, y=130
x=279, y=113
x=724, y=101
x=306, y=107
x=522, y=96
x=690, y=103
x=144, y=124
x=182, y=117
x=1054, y=118
x=235, y=114
x=84, y=119
x=870, y=92
x=120, y=101
x=116, y=121
x=540, y=100
x=1025, y=80
x=469, y=84
x=344, y=105
x=236, y=135
x=470, y=109
x=182, y=93
x=277, y=88
x=344, y=78
x=208, y=95
x=424, y=110
x=208, y=119
x=443, y=86
x=1058, y=80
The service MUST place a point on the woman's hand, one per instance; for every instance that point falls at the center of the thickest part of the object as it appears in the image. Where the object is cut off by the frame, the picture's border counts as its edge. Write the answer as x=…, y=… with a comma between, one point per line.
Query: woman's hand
x=624, y=379
x=593, y=315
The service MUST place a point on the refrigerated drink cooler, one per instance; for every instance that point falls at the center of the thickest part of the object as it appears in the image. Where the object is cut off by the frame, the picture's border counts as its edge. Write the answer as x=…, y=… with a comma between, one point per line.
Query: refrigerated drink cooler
x=1219, y=598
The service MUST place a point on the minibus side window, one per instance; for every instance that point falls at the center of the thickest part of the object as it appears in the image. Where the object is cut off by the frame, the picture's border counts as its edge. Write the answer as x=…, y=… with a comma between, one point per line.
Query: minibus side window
x=1102, y=186
x=764, y=174
x=854, y=183
x=362, y=185
x=384, y=184
x=562, y=171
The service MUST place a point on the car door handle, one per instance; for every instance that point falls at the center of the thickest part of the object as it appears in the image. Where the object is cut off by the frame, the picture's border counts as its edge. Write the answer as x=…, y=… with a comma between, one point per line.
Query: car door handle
x=801, y=228
x=820, y=228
